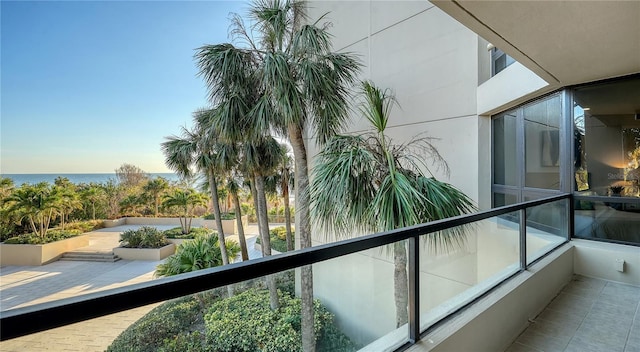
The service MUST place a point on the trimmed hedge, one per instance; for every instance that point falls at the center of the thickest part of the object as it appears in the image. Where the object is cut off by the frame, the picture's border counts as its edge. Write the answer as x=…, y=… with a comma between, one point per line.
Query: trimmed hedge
x=71, y=229
x=176, y=232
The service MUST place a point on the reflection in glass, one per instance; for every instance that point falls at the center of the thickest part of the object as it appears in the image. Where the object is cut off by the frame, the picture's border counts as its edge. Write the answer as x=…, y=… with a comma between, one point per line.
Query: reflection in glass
x=607, y=220
x=505, y=170
x=546, y=228
x=452, y=278
x=542, y=121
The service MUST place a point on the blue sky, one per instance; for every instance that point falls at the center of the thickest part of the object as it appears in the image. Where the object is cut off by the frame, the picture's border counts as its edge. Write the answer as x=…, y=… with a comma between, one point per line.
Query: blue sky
x=89, y=85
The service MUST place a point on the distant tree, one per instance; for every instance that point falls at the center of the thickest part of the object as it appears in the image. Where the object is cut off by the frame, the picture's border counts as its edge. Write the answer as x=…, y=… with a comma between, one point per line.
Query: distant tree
x=155, y=188
x=130, y=175
x=114, y=193
x=92, y=195
x=185, y=201
x=68, y=199
x=132, y=203
x=36, y=203
x=7, y=219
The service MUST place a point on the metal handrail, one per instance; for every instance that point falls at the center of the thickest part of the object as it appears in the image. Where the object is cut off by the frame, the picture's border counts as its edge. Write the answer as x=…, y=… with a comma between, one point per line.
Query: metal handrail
x=44, y=316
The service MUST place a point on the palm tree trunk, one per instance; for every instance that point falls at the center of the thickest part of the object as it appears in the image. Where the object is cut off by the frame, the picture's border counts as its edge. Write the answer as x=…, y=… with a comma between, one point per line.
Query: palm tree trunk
x=243, y=241
x=287, y=212
x=303, y=228
x=263, y=228
x=93, y=210
x=213, y=185
x=401, y=288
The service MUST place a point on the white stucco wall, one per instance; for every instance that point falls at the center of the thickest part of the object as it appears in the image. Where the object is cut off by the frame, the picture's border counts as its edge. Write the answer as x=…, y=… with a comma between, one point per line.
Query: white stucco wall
x=430, y=62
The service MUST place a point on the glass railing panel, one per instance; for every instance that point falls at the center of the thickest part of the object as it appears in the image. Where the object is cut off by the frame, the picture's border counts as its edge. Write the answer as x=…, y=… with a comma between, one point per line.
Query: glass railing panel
x=608, y=220
x=361, y=291
x=547, y=227
x=453, y=273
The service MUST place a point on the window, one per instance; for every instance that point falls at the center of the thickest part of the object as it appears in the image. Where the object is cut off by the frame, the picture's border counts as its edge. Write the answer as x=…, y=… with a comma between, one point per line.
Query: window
x=527, y=151
x=499, y=61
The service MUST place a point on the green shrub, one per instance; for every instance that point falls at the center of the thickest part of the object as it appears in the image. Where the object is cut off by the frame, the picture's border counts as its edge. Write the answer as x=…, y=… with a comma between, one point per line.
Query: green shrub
x=278, y=238
x=52, y=236
x=159, y=326
x=85, y=226
x=223, y=216
x=176, y=232
x=245, y=322
x=144, y=237
x=201, y=253
x=196, y=322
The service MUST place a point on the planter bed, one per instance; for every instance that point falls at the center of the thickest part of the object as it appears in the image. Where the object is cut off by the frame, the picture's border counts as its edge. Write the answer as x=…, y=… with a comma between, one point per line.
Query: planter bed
x=151, y=254
x=39, y=254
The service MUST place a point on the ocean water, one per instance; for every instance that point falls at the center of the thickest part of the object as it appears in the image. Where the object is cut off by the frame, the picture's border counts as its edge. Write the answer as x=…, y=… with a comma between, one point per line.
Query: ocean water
x=19, y=179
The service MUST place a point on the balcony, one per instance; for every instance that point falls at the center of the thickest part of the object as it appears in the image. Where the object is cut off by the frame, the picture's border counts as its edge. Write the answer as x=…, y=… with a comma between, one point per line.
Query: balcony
x=480, y=295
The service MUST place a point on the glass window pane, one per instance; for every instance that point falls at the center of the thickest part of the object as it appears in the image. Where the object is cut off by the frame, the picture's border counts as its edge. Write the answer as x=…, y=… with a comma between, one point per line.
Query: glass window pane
x=607, y=138
x=505, y=170
x=608, y=220
x=547, y=226
x=542, y=121
x=502, y=199
x=453, y=275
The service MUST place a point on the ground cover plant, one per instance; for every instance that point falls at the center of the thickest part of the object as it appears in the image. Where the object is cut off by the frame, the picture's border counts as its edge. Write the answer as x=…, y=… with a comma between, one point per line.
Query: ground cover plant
x=176, y=232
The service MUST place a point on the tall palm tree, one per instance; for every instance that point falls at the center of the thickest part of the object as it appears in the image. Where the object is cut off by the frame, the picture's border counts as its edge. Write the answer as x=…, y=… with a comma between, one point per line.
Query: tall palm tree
x=37, y=203
x=234, y=185
x=186, y=201
x=201, y=149
x=298, y=84
x=155, y=187
x=367, y=183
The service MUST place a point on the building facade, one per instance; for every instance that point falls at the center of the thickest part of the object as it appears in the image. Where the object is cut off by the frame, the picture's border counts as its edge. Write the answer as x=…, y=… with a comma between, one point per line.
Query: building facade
x=526, y=99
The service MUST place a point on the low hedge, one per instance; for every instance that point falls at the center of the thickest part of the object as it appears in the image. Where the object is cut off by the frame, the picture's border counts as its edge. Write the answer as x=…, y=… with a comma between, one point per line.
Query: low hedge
x=52, y=236
x=71, y=229
x=176, y=232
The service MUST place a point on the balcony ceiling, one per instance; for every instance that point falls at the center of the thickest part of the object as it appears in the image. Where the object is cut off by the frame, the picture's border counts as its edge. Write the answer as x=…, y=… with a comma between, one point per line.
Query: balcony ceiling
x=564, y=42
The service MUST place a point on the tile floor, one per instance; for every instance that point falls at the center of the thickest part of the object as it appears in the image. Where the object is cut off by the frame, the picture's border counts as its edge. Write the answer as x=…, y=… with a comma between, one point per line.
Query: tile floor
x=589, y=315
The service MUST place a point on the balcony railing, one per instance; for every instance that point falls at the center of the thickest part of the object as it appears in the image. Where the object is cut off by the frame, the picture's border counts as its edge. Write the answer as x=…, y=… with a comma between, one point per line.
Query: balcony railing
x=499, y=243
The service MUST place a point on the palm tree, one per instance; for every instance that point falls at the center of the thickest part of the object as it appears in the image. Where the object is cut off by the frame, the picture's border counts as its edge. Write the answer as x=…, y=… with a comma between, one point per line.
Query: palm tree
x=366, y=183
x=234, y=185
x=185, y=200
x=93, y=194
x=38, y=203
x=200, y=148
x=68, y=200
x=154, y=188
x=298, y=83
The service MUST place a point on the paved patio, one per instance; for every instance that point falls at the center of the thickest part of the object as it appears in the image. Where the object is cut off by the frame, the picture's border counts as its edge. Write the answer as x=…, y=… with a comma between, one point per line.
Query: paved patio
x=589, y=315
x=27, y=285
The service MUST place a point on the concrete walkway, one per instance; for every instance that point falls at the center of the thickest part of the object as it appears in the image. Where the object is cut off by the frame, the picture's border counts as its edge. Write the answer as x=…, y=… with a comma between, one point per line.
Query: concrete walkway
x=27, y=285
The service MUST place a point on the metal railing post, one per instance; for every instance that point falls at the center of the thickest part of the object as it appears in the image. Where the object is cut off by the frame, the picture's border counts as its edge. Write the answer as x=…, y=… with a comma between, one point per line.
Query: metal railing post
x=570, y=217
x=414, y=289
x=523, y=239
